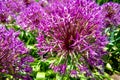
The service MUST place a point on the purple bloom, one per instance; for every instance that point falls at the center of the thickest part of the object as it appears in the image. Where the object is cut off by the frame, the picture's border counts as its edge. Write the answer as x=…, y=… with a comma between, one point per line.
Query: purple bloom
x=28, y=69
x=27, y=59
x=27, y=77
x=112, y=13
x=61, y=68
x=11, y=51
x=14, y=6
x=84, y=69
x=73, y=31
x=3, y=13
x=30, y=18
x=11, y=8
x=73, y=73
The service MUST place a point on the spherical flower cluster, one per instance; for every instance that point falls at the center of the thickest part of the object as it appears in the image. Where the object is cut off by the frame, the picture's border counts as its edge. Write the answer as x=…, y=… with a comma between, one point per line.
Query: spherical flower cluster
x=12, y=53
x=12, y=8
x=74, y=36
x=9, y=9
x=30, y=18
x=3, y=13
x=112, y=13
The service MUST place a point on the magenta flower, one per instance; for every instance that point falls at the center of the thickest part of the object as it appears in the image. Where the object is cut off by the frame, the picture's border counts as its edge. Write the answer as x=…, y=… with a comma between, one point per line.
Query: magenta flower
x=3, y=13
x=73, y=35
x=112, y=13
x=73, y=73
x=12, y=52
x=30, y=18
x=11, y=8
x=14, y=6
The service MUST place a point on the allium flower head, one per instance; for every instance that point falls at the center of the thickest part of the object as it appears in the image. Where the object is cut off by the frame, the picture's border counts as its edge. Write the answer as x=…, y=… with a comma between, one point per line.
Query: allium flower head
x=14, y=6
x=112, y=13
x=73, y=35
x=30, y=18
x=11, y=48
x=3, y=13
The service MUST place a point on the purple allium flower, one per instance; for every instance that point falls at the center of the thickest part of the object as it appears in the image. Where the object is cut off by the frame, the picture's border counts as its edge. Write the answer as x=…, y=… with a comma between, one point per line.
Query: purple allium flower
x=73, y=73
x=27, y=77
x=60, y=68
x=24, y=63
x=28, y=69
x=3, y=13
x=27, y=59
x=73, y=31
x=30, y=18
x=11, y=8
x=11, y=51
x=112, y=13
x=14, y=6
x=84, y=69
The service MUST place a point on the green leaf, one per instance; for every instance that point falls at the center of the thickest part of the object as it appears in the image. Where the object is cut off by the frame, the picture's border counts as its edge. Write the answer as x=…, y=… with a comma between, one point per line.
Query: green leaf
x=108, y=66
x=40, y=75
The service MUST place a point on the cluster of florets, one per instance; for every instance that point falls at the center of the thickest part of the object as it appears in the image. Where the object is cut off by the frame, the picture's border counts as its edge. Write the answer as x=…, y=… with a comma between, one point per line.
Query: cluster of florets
x=11, y=8
x=112, y=13
x=3, y=13
x=12, y=53
x=31, y=17
x=74, y=36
